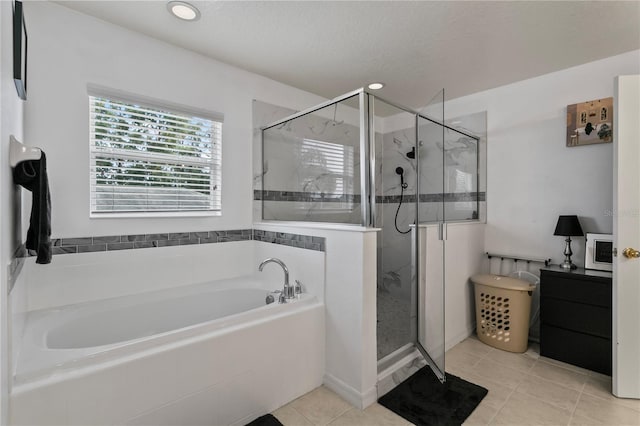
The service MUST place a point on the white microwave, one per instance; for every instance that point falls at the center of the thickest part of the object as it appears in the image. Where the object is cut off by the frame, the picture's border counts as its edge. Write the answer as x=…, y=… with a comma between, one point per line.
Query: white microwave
x=599, y=252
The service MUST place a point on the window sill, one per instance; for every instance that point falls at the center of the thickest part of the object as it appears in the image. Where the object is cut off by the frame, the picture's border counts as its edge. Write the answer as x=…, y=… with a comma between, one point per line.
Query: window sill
x=147, y=215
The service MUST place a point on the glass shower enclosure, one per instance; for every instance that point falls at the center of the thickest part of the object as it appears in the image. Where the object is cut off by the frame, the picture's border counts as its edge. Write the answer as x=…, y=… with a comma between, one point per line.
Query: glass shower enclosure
x=363, y=160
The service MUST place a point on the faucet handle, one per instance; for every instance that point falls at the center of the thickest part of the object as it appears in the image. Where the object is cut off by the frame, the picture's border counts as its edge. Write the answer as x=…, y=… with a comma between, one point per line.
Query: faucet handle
x=298, y=288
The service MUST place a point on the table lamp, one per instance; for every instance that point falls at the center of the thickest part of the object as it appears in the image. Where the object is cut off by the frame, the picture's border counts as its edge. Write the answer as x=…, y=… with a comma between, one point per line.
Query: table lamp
x=568, y=226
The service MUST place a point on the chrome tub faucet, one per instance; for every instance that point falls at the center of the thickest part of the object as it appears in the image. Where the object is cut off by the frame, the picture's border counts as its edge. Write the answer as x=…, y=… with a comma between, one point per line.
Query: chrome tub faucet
x=288, y=291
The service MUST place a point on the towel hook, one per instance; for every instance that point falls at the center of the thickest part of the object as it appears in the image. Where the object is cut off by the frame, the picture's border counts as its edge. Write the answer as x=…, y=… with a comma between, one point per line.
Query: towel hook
x=19, y=152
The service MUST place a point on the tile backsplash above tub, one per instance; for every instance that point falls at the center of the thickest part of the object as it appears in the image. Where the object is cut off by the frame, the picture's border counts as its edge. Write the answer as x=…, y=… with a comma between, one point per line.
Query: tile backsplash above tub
x=128, y=242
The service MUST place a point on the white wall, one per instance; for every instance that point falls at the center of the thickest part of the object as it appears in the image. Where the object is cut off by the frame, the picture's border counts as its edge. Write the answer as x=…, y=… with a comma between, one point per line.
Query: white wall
x=532, y=177
x=68, y=50
x=11, y=108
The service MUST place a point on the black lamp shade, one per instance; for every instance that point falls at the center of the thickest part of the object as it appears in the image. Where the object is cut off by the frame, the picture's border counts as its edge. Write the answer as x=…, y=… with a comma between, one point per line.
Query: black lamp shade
x=568, y=226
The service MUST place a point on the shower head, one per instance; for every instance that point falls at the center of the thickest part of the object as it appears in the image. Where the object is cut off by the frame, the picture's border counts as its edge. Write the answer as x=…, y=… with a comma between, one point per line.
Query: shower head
x=400, y=171
x=412, y=154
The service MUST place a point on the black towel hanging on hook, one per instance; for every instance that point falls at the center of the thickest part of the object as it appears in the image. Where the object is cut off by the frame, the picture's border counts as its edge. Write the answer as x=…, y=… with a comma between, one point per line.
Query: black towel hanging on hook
x=32, y=175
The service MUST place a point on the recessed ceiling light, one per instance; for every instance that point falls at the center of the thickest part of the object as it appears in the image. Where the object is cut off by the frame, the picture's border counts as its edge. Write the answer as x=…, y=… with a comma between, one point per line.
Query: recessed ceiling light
x=376, y=86
x=183, y=10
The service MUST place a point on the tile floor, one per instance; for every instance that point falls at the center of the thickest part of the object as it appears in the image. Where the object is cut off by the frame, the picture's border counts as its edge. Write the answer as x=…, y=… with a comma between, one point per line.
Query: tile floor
x=524, y=389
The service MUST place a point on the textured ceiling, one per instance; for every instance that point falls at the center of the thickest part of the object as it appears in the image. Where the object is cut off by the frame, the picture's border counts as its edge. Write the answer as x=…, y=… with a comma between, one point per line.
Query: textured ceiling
x=416, y=47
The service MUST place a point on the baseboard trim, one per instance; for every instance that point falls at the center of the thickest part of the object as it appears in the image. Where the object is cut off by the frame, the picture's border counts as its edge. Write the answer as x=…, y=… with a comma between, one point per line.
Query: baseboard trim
x=360, y=400
x=454, y=340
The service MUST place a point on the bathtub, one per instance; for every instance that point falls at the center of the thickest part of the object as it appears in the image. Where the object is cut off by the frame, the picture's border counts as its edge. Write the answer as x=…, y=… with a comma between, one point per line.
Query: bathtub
x=212, y=353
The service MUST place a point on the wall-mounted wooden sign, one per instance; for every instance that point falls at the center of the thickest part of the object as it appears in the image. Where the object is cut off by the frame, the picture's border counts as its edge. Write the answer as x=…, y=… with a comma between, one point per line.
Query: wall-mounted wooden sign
x=590, y=122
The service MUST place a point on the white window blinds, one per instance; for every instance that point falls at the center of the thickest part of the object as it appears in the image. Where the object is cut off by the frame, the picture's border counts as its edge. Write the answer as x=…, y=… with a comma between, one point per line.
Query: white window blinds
x=144, y=159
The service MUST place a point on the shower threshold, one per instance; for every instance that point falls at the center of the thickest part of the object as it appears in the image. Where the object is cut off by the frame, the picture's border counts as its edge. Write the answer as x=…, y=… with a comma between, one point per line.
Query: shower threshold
x=396, y=367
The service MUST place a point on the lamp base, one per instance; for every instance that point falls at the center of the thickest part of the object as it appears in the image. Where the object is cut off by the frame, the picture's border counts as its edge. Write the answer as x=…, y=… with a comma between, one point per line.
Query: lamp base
x=567, y=264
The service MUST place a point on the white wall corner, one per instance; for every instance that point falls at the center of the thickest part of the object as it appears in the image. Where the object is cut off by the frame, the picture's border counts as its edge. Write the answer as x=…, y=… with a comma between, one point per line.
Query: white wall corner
x=359, y=399
x=461, y=335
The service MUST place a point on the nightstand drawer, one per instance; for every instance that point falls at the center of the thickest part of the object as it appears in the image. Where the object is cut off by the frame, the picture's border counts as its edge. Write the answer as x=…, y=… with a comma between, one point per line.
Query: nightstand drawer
x=583, y=350
x=576, y=290
x=589, y=319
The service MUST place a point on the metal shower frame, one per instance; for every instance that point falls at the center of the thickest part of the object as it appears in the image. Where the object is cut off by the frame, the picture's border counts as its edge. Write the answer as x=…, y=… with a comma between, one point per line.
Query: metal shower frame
x=368, y=179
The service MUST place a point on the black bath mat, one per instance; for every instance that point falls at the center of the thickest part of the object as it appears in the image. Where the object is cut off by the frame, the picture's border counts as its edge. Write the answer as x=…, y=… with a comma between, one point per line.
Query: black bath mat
x=266, y=420
x=423, y=400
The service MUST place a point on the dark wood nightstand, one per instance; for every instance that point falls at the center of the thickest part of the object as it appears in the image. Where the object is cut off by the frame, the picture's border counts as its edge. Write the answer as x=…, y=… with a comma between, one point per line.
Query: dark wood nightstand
x=575, y=317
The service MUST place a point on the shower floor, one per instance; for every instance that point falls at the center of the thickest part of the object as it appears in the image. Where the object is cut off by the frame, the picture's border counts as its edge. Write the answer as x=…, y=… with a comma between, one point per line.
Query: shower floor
x=394, y=327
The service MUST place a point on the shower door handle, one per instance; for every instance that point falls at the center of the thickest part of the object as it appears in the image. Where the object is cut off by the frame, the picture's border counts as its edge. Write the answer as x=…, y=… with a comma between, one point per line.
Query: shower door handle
x=442, y=231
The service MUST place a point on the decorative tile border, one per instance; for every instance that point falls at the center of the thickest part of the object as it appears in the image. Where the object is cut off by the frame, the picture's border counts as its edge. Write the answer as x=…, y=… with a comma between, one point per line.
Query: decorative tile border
x=355, y=198
x=130, y=242
x=293, y=240
x=449, y=197
x=305, y=196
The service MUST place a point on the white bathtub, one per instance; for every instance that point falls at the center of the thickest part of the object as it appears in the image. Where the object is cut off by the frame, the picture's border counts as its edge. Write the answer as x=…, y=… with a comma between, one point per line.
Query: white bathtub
x=211, y=353
x=86, y=328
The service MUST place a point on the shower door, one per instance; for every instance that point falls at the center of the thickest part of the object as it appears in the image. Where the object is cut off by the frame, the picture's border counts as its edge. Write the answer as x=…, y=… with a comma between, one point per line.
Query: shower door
x=431, y=234
x=395, y=178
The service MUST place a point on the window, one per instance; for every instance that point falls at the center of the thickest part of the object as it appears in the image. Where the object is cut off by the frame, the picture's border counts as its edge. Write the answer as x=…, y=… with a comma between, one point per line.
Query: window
x=147, y=159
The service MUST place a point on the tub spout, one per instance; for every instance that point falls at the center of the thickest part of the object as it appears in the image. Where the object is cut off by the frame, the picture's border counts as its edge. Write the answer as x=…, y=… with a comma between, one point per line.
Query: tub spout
x=288, y=292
